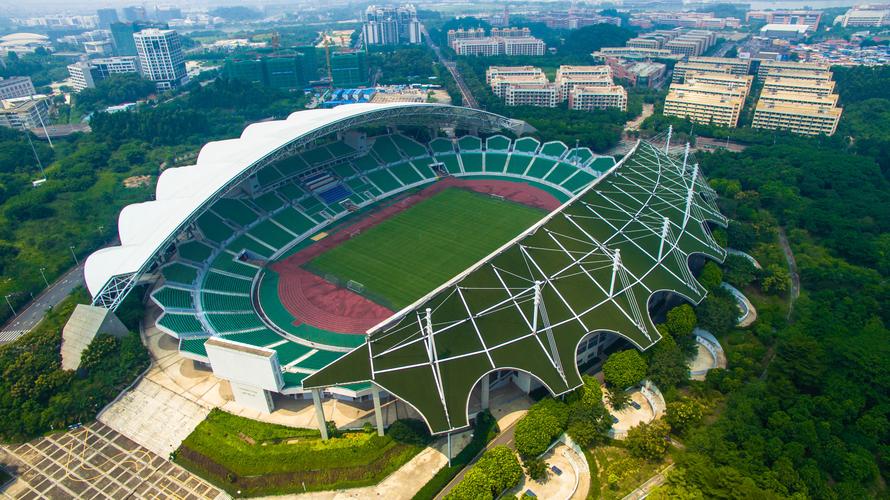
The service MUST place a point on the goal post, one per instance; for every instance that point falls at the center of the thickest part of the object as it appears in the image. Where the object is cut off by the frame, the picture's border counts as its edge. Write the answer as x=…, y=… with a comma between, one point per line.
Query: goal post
x=355, y=286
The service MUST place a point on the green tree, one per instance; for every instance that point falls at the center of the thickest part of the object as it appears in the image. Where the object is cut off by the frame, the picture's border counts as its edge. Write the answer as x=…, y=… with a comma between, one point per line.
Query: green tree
x=502, y=468
x=776, y=279
x=681, y=320
x=624, y=369
x=711, y=276
x=536, y=469
x=475, y=485
x=544, y=421
x=648, y=440
x=667, y=366
x=683, y=413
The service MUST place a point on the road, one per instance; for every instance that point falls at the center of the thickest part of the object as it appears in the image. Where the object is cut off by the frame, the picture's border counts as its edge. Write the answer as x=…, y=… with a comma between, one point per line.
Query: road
x=30, y=316
x=504, y=438
x=468, y=99
x=792, y=269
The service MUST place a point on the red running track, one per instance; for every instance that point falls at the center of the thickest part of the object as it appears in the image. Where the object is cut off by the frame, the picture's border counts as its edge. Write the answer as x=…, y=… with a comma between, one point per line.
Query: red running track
x=321, y=304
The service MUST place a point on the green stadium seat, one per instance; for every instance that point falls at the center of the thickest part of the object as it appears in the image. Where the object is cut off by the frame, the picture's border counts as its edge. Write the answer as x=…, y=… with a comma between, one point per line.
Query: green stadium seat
x=193, y=346
x=421, y=165
x=194, y=251
x=223, y=283
x=173, y=298
x=320, y=359
x=315, y=156
x=258, y=338
x=526, y=145
x=213, y=228
x=539, y=168
x=495, y=162
x=440, y=146
x=518, y=164
x=561, y=172
x=450, y=162
x=245, y=242
x=578, y=181
x=269, y=202
x=291, y=166
x=365, y=163
x=472, y=162
x=179, y=273
x=383, y=180
x=271, y=234
x=339, y=149
x=579, y=155
x=359, y=186
x=469, y=143
x=290, y=191
x=602, y=163
x=182, y=324
x=405, y=173
x=268, y=175
x=385, y=149
x=291, y=379
x=224, y=302
x=226, y=262
x=344, y=170
x=554, y=149
x=497, y=143
x=235, y=211
x=293, y=220
x=409, y=147
x=226, y=322
x=289, y=351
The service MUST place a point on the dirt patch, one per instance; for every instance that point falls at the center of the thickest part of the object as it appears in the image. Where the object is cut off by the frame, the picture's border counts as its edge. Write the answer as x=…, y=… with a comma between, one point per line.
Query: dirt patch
x=137, y=181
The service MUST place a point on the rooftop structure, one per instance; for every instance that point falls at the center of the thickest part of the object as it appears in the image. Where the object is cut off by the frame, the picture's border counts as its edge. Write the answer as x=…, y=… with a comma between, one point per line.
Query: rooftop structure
x=818, y=87
x=784, y=31
x=16, y=86
x=644, y=74
x=738, y=66
x=681, y=68
x=494, y=71
x=809, y=18
x=771, y=68
x=500, y=83
x=728, y=81
x=568, y=77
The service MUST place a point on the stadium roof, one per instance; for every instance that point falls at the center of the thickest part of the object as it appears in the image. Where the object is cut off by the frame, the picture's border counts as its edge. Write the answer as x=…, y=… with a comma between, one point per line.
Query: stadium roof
x=147, y=229
x=592, y=265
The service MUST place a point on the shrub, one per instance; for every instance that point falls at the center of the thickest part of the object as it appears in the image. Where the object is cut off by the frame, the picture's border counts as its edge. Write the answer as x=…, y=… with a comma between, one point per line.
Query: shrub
x=624, y=369
x=681, y=320
x=648, y=440
x=409, y=431
x=683, y=414
x=545, y=420
x=618, y=399
x=536, y=469
x=502, y=468
x=476, y=485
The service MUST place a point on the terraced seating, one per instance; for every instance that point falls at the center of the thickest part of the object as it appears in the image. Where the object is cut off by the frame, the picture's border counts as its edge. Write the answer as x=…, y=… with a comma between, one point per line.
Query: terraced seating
x=553, y=148
x=292, y=379
x=318, y=180
x=450, y=162
x=269, y=202
x=497, y=143
x=290, y=351
x=359, y=186
x=365, y=163
x=234, y=210
x=223, y=302
x=469, y=143
x=335, y=194
x=292, y=165
x=182, y=324
x=385, y=149
x=561, y=172
x=311, y=206
x=173, y=298
x=227, y=322
x=320, y=359
x=602, y=163
x=259, y=338
x=383, y=180
x=226, y=262
x=290, y=191
x=293, y=220
x=193, y=346
x=315, y=156
x=339, y=149
x=579, y=156
x=245, y=242
x=578, y=181
x=271, y=234
x=213, y=228
x=472, y=162
x=405, y=173
x=268, y=175
x=222, y=283
x=194, y=251
x=539, y=167
x=343, y=170
x=409, y=147
x=421, y=165
x=441, y=146
x=179, y=273
x=495, y=162
x=526, y=145
x=518, y=164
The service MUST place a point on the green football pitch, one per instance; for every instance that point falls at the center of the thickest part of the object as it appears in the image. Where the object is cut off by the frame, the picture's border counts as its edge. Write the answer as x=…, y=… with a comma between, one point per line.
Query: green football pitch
x=408, y=255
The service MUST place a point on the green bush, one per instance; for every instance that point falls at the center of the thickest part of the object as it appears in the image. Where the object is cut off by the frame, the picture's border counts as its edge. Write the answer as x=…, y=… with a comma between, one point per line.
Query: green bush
x=624, y=369
x=409, y=431
x=543, y=423
x=648, y=441
x=536, y=468
x=495, y=472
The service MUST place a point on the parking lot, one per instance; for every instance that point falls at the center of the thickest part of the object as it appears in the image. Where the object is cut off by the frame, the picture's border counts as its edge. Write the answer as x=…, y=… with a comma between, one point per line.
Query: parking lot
x=95, y=461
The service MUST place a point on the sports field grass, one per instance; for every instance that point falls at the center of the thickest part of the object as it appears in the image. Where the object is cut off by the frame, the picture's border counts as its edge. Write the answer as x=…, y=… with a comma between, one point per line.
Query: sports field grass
x=410, y=254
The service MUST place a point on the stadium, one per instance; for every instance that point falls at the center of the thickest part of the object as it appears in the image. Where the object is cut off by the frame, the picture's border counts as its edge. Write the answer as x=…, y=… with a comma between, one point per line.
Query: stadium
x=421, y=251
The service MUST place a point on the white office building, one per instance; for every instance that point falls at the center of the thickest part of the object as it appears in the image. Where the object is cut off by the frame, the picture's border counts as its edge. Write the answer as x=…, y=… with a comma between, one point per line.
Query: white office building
x=86, y=74
x=16, y=86
x=160, y=57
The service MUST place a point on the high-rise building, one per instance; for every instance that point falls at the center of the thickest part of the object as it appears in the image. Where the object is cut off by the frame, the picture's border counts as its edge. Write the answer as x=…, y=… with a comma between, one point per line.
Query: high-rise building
x=122, y=35
x=107, y=17
x=349, y=69
x=385, y=25
x=134, y=13
x=167, y=13
x=282, y=71
x=817, y=71
x=737, y=66
x=511, y=44
x=309, y=64
x=160, y=57
x=16, y=86
x=86, y=74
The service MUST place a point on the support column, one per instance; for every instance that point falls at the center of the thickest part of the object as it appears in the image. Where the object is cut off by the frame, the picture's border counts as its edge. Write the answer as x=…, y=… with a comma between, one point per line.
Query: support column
x=378, y=415
x=319, y=414
x=486, y=388
x=667, y=143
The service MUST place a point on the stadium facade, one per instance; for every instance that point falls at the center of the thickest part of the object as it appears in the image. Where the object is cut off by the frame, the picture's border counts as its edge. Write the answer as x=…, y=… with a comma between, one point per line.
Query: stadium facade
x=587, y=274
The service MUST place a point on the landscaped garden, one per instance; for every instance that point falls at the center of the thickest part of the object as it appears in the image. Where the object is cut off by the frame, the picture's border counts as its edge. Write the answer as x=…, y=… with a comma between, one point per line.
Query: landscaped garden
x=251, y=458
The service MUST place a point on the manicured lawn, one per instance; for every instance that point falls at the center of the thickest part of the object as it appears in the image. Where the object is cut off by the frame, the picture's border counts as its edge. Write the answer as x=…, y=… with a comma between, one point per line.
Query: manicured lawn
x=256, y=458
x=410, y=254
x=614, y=473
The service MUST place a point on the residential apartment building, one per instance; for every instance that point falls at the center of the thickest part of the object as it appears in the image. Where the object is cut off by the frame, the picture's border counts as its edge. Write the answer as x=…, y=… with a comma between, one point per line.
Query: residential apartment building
x=810, y=18
x=24, y=113
x=542, y=95
x=790, y=111
x=500, y=83
x=681, y=68
x=16, y=86
x=386, y=25
x=588, y=98
x=160, y=57
x=495, y=71
x=769, y=67
x=461, y=34
x=817, y=87
x=727, y=80
x=737, y=66
x=507, y=41
x=703, y=103
x=568, y=77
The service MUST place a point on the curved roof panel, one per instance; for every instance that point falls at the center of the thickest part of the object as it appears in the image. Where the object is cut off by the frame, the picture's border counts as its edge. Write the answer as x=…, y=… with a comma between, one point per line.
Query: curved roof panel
x=182, y=193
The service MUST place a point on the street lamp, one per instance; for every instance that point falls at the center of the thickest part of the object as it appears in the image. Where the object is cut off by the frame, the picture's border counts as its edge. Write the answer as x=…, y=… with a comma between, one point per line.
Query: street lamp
x=44, y=276
x=7, y=296
x=76, y=262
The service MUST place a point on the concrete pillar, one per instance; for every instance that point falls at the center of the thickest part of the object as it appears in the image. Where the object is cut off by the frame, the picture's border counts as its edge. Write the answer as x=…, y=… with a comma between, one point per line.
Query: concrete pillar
x=319, y=414
x=378, y=415
x=486, y=388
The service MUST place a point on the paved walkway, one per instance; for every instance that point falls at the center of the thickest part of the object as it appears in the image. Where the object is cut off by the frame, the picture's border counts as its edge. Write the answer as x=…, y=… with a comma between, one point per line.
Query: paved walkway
x=653, y=482
x=792, y=269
